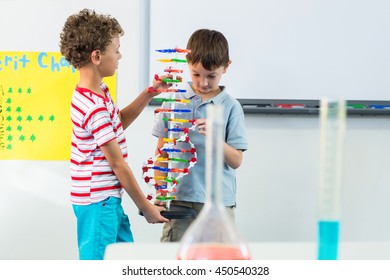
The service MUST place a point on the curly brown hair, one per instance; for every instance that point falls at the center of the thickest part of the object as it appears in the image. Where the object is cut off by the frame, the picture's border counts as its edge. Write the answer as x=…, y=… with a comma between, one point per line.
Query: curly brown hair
x=208, y=47
x=85, y=32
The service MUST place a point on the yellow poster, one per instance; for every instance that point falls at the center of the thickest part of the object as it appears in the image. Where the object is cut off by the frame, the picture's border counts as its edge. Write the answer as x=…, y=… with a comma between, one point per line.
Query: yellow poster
x=35, y=95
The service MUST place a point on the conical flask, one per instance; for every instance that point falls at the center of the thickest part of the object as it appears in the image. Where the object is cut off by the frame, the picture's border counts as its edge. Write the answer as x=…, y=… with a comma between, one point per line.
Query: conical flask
x=213, y=235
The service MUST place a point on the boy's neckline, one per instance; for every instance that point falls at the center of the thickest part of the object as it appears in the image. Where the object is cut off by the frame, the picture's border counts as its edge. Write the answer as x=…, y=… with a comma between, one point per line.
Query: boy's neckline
x=84, y=89
x=208, y=96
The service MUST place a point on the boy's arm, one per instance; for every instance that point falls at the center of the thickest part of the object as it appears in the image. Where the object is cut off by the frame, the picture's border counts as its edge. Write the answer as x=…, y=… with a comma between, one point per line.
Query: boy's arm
x=126, y=177
x=131, y=112
x=232, y=156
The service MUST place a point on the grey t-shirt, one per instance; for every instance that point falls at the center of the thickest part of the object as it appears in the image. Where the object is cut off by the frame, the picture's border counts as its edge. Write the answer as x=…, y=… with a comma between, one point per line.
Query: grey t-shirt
x=192, y=187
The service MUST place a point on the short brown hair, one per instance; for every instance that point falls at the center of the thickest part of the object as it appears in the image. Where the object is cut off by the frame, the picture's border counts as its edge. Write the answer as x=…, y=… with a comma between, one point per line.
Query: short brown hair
x=85, y=32
x=208, y=47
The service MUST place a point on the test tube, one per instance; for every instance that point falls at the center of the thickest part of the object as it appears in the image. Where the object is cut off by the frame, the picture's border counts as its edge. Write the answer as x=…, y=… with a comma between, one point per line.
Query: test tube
x=332, y=130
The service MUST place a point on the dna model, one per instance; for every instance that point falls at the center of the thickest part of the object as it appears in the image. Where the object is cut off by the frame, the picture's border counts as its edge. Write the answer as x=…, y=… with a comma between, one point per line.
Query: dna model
x=164, y=171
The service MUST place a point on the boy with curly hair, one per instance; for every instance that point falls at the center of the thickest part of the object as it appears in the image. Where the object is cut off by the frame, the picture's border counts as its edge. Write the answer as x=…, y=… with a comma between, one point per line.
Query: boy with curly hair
x=99, y=159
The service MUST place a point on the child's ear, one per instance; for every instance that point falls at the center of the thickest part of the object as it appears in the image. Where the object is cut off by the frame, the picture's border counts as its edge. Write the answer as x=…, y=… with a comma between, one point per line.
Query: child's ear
x=227, y=66
x=95, y=57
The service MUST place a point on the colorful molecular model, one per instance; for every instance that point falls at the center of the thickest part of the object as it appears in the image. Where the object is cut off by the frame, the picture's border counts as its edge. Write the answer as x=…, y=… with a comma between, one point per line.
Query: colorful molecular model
x=163, y=171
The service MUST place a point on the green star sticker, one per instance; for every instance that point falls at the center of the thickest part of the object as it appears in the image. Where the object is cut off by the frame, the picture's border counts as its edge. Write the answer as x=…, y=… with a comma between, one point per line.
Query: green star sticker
x=8, y=101
x=51, y=118
x=9, y=147
x=33, y=138
x=9, y=118
x=18, y=109
x=40, y=118
x=19, y=118
x=29, y=118
x=10, y=90
x=19, y=128
x=8, y=109
x=20, y=90
x=9, y=128
x=9, y=138
x=22, y=138
x=29, y=90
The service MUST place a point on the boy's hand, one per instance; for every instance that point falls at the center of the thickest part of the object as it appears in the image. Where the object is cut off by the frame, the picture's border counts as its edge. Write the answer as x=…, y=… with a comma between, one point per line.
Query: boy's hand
x=159, y=85
x=201, y=124
x=152, y=214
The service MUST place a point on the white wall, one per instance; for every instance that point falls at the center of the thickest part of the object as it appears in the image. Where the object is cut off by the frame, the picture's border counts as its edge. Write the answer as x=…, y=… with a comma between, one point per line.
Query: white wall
x=301, y=49
x=278, y=180
x=277, y=183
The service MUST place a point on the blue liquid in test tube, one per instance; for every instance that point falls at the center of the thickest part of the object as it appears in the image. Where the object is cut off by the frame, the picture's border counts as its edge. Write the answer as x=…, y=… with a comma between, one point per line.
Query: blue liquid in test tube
x=332, y=122
x=328, y=240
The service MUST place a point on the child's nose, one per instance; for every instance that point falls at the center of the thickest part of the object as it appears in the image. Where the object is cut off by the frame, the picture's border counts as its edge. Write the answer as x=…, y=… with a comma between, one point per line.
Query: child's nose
x=203, y=82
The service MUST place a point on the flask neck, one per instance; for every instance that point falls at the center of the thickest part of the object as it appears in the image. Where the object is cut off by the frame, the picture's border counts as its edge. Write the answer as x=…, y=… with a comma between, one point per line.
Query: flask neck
x=213, y=235
x=214, y=156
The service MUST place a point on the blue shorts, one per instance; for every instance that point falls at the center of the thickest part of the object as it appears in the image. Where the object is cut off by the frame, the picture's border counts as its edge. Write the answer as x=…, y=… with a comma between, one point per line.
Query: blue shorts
x=100, y=224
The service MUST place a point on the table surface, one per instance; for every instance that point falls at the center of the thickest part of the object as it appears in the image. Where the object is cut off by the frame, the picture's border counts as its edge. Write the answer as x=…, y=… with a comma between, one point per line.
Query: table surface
x=259, y=251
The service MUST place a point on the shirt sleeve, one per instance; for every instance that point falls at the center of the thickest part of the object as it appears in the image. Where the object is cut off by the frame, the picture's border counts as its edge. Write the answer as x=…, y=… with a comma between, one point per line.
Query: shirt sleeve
x=98, y=123
x=236, y=129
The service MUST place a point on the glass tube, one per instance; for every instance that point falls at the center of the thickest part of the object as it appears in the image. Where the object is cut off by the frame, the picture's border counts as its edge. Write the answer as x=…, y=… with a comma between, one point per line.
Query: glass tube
x=213, y=234
x=332, y=128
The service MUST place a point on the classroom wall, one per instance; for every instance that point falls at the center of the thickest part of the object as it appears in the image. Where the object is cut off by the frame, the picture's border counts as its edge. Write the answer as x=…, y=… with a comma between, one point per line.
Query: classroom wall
x=277, y=182
x=301, y=49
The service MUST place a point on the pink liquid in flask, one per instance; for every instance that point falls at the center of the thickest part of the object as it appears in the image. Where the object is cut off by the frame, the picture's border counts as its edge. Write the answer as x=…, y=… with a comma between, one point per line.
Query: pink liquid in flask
x=214, y=252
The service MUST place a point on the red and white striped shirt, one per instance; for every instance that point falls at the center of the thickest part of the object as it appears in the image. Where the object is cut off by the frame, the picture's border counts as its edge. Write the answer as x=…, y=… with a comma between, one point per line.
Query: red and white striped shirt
x=95, y=121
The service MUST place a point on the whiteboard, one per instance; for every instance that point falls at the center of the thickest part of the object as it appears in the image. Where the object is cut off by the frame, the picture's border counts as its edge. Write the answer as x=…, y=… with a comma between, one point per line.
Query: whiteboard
x=284, y=49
